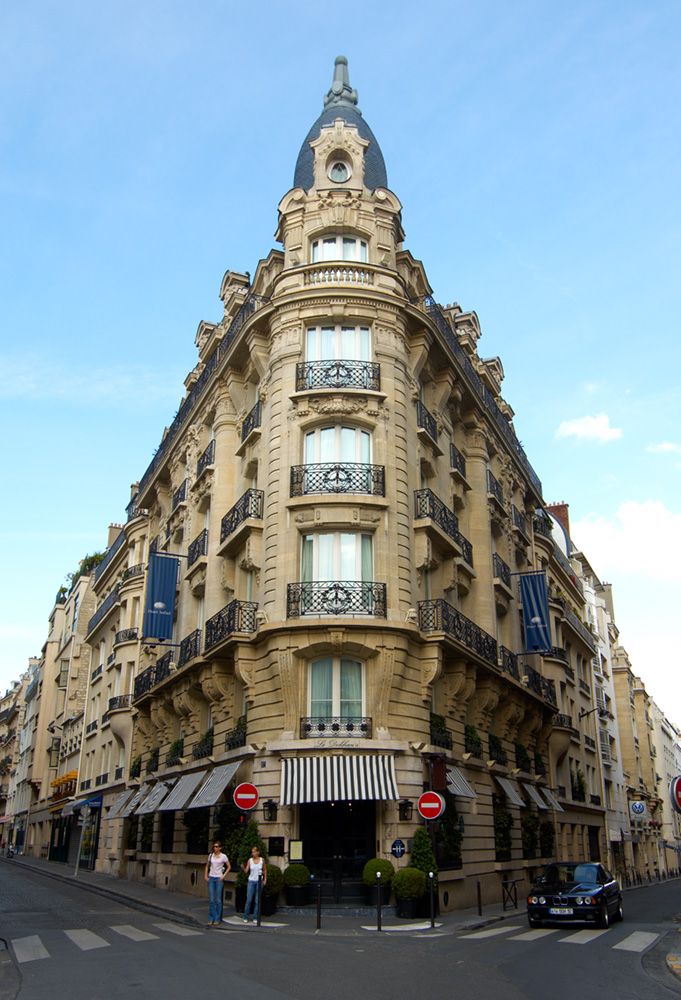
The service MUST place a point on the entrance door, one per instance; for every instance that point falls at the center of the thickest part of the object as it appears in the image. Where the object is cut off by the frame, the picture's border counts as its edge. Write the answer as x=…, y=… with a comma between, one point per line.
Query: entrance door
x=338, y=840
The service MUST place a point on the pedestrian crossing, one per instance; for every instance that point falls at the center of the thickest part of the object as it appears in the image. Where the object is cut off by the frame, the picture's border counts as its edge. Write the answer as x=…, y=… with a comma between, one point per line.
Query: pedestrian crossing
x=635, y=941
x=32, y=948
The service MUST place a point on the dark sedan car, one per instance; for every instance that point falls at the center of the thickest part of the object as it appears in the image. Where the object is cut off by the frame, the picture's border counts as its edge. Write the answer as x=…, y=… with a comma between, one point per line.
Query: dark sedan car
x=570, y=892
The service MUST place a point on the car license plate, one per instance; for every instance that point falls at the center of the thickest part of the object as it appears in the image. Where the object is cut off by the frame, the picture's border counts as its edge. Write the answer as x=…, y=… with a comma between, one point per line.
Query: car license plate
x=561, y=911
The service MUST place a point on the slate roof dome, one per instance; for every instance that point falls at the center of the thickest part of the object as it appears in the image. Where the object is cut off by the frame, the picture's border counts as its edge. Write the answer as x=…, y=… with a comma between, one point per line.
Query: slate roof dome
x=341, y=102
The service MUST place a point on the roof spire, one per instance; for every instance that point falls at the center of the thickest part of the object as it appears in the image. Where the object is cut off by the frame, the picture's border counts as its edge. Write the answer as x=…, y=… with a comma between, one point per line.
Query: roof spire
x=341, y=92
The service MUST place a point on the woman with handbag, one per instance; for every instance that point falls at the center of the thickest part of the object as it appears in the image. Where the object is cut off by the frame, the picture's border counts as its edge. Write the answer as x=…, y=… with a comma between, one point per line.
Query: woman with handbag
x=217, y=867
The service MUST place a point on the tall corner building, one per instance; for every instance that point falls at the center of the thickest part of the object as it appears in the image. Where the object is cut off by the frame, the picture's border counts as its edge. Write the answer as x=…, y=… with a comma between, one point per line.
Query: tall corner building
x=349, y=505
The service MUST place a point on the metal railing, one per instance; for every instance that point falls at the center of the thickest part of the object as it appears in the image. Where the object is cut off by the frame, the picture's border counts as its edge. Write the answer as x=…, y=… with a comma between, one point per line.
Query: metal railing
x=542, y=526
x=338, y=374
x=335, y=727
x=562, y=721
x=557, y=653
x=115, y=547
x=520, y=522
x=494, y=488
x=163, y=666
x=336, y=597
x=440, y=736
x=179, y=496
x=175, y=753
x=198, y=548
x=133, y=571
x=249, y=505
x=509, y=662
x=236, y=737
x=189, y=647
x=204, y=747
x=496, y=751
x=119, y=702
x=440, y=616
x=501, y=569
x=580, y=628
x=251, y=421
x=97, y=672
x=104, y=608
x=206, y=458
x=343, y=477
x=426, y=420
x=427, y=504
x=237, y=616
x=125, y=635
x=456, y=460
x=91, y=726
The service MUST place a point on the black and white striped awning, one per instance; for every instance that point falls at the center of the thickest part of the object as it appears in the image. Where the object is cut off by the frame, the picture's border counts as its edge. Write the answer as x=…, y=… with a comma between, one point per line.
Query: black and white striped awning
x=154, y=798
x=552, y=800
x=119, y=802
x=338, y=779
x=457, y=784
x=218, y=779
x=139, y=796
x=182, y=792
x=535, y=796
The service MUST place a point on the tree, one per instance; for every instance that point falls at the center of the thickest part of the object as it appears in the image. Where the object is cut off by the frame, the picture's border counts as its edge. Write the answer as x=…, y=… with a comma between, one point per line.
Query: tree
x=422, y=855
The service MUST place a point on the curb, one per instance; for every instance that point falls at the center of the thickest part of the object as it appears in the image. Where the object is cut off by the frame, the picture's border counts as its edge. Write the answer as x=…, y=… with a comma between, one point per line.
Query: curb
x=674, y=964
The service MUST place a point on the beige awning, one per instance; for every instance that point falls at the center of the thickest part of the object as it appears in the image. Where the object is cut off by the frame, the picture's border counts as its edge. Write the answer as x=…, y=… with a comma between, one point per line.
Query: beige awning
x=552, y=800
x=154, y=798
x=458, y=785
x=182, y=792
x=138, y=797
x=218, y=779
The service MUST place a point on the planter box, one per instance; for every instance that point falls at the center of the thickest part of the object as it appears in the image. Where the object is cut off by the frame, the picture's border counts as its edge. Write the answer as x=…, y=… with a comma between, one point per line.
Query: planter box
x=297, y=895
x=408, y=909
x=371, y=894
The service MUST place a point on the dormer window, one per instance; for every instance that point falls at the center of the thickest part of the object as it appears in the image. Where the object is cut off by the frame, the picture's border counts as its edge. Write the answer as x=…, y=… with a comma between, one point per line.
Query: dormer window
x=339, y=172
x=340, y=247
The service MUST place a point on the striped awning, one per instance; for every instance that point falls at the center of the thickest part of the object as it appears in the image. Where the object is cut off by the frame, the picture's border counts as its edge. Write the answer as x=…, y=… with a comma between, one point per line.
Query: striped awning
x=154, y=798
x=119, y=802
x=182, y=792
x=535, y=796
x=218, y=779
x=138, y=797
x=552, y=800
x=457, y=784
x=336, y=778
x=511, y=791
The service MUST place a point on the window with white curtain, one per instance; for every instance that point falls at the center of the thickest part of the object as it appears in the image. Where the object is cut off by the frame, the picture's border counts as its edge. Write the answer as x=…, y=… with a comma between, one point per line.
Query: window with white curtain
x=337, y=444
x=340, y=247
x=338, y=555
x=338, y=343
x=336, y=688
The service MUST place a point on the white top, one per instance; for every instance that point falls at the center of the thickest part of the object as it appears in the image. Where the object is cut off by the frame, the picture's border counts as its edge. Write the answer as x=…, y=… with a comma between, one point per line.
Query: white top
x=254, y=869
x=216, y=864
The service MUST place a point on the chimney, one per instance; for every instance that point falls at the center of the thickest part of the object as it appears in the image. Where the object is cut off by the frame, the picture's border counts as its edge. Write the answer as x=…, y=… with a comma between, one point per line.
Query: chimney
x=561, y=512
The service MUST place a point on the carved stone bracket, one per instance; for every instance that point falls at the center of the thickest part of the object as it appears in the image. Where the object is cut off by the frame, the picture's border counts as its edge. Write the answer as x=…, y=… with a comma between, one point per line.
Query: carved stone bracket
x=431, y=669
x=482, y=705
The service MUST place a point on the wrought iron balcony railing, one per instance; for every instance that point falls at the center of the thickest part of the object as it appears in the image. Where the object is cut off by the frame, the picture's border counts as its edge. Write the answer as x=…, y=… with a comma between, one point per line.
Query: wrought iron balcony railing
x=501, y=569
x=509, y=662
x=144, y=682
x=125, y=635
x=426, y=420
x=564, y=563
x=120, y=702
x=344, y=477
x=249, y=505
x=426, y=504
x=104, y=608
x=494, y=488
x=236, y=737
x=579, y=627
x=562, y=721
x=133, y=571
x=163, y=666
x=440, y=616
x=251, y=421
x=198, y=548
x=335, y=727
x=97, y=672
x=189, y=647
x=114, y=548
x=336, y=597
x=152, y=763
x=204, y=747
x=206, y=458
x=440, y=736
x=456, y=460
x=520, y=522
x=338, y=375
x=496, y=751
x=174, y=755
x=557, y=653
x=237, y=616
x=179, y=496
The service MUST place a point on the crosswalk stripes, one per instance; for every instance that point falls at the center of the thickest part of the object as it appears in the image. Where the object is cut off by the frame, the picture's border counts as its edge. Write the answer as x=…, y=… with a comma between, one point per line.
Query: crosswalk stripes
x=535, y=935
x=32, y=949
x=86, y=940
x=638, y=941
x=29, y=949
x=176, y=929
x=491, y=932
x=582, y=937
x=133, y=933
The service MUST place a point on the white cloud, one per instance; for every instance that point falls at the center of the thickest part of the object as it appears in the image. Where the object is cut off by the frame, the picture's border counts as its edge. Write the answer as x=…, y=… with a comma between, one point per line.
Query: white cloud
x=664, y=448
x=639, y=540
x=589, y=429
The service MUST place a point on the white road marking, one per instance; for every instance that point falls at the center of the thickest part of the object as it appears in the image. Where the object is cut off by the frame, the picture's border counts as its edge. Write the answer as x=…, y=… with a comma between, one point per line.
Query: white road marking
x=29, y=949
x=492, y=932
x=133, y=933
x=638, y=941
x=534, y=935
x=582, y=937
x=421, y=926
x=86, y=940
x=176, y=929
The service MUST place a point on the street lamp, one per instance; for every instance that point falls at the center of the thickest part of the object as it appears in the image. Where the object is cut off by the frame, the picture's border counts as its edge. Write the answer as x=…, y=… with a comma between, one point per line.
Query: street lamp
x=269, y=810
x=406, y=810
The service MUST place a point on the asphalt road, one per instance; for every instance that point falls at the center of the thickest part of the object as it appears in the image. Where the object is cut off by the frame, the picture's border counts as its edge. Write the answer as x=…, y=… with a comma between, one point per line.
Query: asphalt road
x=65, y=941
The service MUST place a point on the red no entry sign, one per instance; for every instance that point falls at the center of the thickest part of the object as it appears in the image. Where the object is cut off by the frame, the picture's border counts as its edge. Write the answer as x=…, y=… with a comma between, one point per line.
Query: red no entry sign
x=246, y=796
x=675, y=793
x=431, y=805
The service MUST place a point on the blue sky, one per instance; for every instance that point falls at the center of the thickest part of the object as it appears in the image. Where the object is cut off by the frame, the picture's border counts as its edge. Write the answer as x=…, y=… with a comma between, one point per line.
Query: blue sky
x=144, y=148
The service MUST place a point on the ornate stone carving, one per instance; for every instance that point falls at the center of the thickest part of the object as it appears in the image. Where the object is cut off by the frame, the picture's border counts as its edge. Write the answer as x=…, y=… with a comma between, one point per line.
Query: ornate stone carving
x=431, y=668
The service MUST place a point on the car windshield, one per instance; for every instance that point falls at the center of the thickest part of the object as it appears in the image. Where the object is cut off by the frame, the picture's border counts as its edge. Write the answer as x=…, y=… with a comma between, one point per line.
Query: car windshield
x=568, y=874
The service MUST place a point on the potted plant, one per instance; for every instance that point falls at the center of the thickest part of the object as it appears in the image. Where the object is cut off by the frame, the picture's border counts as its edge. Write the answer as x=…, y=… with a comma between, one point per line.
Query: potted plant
x=371, y=869
x=271, y=890
x=423, y=858
x=409, y=886
x=297, y=885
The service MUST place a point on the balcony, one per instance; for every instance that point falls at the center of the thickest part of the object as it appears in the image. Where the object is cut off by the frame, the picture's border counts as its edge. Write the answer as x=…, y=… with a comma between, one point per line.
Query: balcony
x=179, y=496
x=163, y=667
x=338, y=375
x=102, y=779
x=556, y=653
x=91, y=727
x=133, y=571
x=97, y=672
x=126, y=635
x=495, y=503
x=590, y=742
x=336, y=598
x=520, y=527
x=339, y=274
x=111, y=601
x=579, y=629
x=119, y=703
x=114, y=548
x=174, y=755
x=198, y=548
x=237, y=616
x=250, y=505
x=440, y=616
x=425, y=421
x=564, y=564
x=236, y=737
x=542, y=528
x=251, y=422
x=496, y=751
x=445, y=525
x=206, y=459
x=457, y=463
x=501, y=572
x=204, y=747
x=346, y=477
x=584, y=687
x=440, y=736
x=153, y=762
x=190, y=647
x=335, y=727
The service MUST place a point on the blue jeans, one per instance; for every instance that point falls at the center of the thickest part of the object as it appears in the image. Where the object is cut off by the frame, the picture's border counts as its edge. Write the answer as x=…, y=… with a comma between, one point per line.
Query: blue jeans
x=253, y=893
x=215, y=886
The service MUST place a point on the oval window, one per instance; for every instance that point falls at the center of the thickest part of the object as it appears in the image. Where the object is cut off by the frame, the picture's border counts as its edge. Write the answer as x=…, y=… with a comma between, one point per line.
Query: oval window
x=339, y=172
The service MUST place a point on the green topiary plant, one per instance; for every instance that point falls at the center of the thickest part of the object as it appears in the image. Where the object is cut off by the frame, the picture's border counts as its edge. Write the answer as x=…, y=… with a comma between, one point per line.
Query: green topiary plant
x=249, y=839
x=296, y=874
x=275, y=880
x=409, y=883
x=546, y=839
x=529, y=831
x=422, y=855
x=382, y=865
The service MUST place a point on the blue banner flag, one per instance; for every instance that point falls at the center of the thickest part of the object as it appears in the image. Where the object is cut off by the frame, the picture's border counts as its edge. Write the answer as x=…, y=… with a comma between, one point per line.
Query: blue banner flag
x=534, y=594
x=160, y=603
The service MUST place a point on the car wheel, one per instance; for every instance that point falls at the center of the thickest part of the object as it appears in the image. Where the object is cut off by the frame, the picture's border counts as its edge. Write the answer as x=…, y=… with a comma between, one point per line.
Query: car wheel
x=603, y=917
x=619, y=912
x=533, y=922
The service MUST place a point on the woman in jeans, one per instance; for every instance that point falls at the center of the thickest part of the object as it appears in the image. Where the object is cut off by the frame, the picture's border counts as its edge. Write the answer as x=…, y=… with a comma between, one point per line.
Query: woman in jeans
x=256, y=869
x=217, y=867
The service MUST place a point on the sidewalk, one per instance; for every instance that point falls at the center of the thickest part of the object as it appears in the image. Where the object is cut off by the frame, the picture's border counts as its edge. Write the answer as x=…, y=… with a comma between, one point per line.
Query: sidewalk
x=190, y=909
